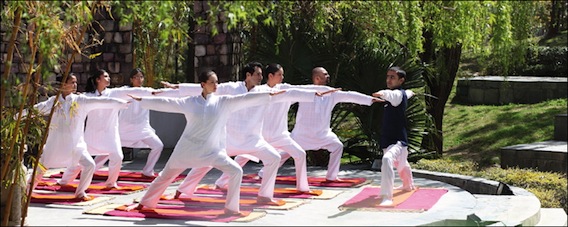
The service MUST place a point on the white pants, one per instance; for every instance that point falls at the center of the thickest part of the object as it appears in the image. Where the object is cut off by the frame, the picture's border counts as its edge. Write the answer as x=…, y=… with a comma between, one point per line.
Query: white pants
x=114, y=166
x=156, y=147
x=289, y=147
x=168, y=174
x=267, y=154
x=334, y=146
x=83, y=163
x=395, y=156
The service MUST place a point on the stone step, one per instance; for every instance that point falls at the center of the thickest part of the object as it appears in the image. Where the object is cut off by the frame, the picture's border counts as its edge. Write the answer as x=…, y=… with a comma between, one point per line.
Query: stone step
x=545, y=156
x=552, y=217
x=509, y=210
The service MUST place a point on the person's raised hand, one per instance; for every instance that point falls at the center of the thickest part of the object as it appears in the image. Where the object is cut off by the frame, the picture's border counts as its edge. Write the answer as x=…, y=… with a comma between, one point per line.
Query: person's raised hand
x=277, y=92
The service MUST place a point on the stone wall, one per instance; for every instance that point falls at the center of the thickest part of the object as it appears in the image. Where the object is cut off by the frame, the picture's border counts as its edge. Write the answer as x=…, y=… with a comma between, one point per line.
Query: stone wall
x=115, y=53
x=220, y=53
x=498, y=90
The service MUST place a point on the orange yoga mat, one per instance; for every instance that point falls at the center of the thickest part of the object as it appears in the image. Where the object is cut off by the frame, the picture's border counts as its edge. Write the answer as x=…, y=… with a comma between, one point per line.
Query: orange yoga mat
x=123, y=176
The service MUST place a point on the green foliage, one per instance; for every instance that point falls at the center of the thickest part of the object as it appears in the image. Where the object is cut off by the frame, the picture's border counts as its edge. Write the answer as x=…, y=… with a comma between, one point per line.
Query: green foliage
x=161, y=37
x=546, y=61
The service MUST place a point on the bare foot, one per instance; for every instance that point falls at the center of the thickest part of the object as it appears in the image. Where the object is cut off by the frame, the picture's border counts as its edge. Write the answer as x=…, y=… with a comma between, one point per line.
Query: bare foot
x=86, y=198
x=268, y=201
x=177, y=195
x=232, y=212
x=134, y=207
x=217, y=187
x=405, y=189
x=336, y=180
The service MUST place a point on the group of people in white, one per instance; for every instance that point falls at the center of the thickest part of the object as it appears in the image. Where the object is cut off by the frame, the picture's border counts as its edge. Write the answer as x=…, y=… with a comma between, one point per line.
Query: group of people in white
x=241, y=119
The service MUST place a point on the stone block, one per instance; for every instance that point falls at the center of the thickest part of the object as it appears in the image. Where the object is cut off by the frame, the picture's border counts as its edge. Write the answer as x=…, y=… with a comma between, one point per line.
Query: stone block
x=117, y=37
x=201, y=39
x=200, y=50
x=220, y=38
x=195, y=62
x=125, y=48
x=108, y=37
x=128, y=58
x=125, y=27
x=224, y=59
x=491, y=96
x=113, y=67
x=108, y=25
x=108, y=57
x=126, y=37
x=476, y=95
x=77, y=68
x=223, y=49
x=211, y=49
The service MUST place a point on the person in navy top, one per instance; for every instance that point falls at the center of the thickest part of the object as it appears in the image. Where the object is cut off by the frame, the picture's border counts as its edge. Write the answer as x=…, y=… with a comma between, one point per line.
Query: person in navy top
x=394, y=139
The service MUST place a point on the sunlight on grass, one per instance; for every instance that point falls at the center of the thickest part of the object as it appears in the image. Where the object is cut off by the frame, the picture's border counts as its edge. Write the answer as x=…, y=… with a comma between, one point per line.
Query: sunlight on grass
x=483, y=130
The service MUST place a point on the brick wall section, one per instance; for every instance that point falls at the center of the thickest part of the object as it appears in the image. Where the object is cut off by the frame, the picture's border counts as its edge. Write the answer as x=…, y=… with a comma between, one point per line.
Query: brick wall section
x=115, y=58
x=220, y=53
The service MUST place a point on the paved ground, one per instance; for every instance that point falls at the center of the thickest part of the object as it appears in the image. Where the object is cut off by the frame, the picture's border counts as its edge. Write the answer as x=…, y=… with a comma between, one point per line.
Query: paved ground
x=456, y=204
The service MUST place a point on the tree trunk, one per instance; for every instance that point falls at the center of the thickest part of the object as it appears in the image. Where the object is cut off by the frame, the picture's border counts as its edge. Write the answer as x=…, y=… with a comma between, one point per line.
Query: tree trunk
x=447, y=64
x=554, y=22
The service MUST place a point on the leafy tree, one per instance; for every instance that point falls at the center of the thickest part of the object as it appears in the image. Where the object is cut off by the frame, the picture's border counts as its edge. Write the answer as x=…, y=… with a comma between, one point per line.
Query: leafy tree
x=50, y=34
x=435, y=31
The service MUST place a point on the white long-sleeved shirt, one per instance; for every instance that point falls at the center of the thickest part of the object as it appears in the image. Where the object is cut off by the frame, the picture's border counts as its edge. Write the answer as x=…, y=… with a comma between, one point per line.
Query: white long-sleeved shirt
x=66, y=130
x=134, y=123
x=395, y=96
x=101, y=130
x=314, y=118
x=275, y=125
x=201, y=142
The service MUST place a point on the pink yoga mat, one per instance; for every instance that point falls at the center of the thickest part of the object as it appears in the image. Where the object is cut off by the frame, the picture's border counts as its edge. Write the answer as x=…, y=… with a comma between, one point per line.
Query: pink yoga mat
x=422, y=199
x=253, y=193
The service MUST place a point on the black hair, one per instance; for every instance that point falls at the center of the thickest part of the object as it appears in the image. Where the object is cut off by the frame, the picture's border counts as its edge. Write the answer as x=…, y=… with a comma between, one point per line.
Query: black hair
x=204, y=76
x=271, y=68
x=135, y=71
x=249, y=68
x=92, y=81
x=59, y=78
x=401, y=73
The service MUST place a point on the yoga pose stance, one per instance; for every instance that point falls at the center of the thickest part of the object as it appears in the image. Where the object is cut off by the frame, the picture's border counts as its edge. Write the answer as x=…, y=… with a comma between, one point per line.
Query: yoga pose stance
x=394, y=139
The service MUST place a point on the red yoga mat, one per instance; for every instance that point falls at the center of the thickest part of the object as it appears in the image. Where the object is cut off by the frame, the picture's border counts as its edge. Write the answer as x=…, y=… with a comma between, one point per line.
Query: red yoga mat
x=214, y=214
x=94, y=188
x=312, y=181
x=123, y=176
x=253, y=192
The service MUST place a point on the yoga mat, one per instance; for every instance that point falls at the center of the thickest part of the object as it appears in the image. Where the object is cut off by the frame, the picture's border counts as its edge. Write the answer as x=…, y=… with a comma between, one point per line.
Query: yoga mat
x=94, y=188
x=312, y=181
x=177, y=212
x=220, y=202
x=65, y=199
x=418, y=200
x=123, y=176
x=291, y=193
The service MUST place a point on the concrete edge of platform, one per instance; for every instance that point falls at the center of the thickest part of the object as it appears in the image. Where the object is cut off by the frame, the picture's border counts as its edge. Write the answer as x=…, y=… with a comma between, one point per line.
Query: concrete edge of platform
x=499, y=192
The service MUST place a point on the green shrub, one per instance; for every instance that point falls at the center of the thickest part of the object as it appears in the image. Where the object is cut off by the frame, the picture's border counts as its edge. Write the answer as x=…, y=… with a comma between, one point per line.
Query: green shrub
x=549, y=187
x=545, y=61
